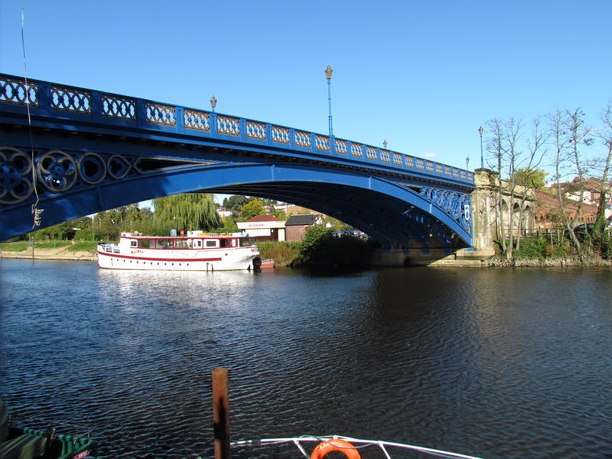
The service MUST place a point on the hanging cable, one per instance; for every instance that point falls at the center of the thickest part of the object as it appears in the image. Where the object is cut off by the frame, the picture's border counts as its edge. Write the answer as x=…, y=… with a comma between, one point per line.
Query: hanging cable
x=36, y=212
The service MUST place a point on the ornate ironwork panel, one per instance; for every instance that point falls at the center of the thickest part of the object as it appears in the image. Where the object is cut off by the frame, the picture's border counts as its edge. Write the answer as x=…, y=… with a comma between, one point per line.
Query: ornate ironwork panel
x=371, y=153
x=228, y=125
x=341, y=146
x=302, y=139
x=357, y=150
x=452, y=203
x=15, y=176
x=280, y=134
x=58, y=171
x=255, y=130
x=14, y=91
x=322, y=142
x=384, y=156
x=199, y=121
x=118, y=107
x=163, y=115
x=70, y=100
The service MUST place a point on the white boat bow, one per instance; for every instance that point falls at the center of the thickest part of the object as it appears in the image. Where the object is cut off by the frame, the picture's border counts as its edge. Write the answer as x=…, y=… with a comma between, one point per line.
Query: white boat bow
x=358, y=444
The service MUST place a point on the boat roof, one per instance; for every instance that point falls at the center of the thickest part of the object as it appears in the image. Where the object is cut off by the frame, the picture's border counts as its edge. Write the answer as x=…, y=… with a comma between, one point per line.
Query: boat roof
x=190, y=234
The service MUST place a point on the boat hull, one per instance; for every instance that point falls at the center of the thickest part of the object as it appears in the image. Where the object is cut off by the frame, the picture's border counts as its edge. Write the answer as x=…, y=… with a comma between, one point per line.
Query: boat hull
x=209, y=260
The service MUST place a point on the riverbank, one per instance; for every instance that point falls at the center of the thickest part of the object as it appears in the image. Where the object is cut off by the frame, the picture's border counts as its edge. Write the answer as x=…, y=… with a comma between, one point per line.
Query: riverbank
x=63, y=253
x=551, y=263
x=59, y=253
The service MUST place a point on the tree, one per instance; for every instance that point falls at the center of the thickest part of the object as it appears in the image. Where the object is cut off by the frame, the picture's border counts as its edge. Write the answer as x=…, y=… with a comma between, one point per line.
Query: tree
x=251, y=209
x=606, y=138
x=196, y=211
x=530, y=178
x=570, y=133
x=511, y=135
x=528, y=167
x=496, y=150
x=234, y=203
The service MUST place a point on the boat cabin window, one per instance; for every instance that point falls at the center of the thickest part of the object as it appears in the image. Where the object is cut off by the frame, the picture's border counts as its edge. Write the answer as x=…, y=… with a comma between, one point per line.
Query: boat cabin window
x=212, y=243
x=163, y=244
x=182, y=243
x=197, y=243
x=133, y=243
x=144, y=243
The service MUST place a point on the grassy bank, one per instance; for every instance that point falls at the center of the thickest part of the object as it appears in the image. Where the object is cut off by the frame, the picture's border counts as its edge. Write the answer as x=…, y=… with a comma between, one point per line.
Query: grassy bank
x=284, y=253
x=23, y=246
x=550, y=252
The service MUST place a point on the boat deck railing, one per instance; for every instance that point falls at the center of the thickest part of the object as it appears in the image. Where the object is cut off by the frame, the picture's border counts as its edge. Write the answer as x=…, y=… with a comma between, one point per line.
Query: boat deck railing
x=357, y=444
x=109, y=247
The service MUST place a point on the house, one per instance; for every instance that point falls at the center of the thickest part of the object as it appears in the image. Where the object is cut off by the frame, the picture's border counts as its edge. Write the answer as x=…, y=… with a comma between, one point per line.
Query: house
x=548, y=213
x=264, y=228
x=297, y=225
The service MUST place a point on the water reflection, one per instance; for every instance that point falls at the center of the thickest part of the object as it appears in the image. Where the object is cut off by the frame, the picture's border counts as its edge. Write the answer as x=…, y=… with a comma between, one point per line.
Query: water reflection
x=497, y=363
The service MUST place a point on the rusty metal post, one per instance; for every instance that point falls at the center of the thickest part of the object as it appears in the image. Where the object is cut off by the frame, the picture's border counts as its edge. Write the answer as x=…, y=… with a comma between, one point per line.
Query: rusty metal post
x=221, y=425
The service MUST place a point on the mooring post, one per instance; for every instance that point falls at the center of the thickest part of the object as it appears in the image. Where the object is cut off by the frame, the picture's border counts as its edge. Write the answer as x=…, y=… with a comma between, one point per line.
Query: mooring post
x=221, y=425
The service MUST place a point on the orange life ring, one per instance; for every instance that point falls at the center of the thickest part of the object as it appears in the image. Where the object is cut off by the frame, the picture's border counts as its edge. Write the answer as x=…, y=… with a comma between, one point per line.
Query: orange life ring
x=335, y=444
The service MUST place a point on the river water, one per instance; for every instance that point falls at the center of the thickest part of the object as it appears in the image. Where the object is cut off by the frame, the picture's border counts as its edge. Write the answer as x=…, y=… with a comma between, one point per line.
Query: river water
x=497, y=363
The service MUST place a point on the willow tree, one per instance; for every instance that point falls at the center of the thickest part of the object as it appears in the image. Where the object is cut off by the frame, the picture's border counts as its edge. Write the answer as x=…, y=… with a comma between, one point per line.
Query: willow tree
x=194, y=211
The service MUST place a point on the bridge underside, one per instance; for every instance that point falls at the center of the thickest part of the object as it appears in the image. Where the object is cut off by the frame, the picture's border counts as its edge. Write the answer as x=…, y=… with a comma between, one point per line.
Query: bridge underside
x=396, y=215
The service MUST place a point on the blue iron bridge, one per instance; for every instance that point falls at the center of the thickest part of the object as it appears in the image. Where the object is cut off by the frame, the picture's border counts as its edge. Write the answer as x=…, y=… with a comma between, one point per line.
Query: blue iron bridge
x=68, y=152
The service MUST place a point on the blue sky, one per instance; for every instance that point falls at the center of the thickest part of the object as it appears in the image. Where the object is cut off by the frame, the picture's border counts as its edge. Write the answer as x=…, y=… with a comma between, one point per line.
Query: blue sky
x=423, y=75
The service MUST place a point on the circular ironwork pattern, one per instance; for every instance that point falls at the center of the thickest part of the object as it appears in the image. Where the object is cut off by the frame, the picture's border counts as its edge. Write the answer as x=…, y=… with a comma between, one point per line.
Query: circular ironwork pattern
x=57, y=171
x=92, y=168
x=15, y=181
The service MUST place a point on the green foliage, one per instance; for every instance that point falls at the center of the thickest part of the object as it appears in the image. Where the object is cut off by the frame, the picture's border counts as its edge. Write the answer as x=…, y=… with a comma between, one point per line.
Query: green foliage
x=315, y=237
x=606, y=247
x=279, y=213
x=15, y=246
x=85, y=246
x=234, y=203
x=284, y=253
x=229, y=226
x=321, y=249
x=533, y=249
x=530, y=178
x=54, y=244
x=602, y=242
x=251, y=209
x=543, y=247
x=108, y=225
x=194, y=211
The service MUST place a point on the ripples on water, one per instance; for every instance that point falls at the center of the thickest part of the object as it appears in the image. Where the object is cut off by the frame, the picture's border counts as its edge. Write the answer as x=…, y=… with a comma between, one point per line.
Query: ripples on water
x=496, y=363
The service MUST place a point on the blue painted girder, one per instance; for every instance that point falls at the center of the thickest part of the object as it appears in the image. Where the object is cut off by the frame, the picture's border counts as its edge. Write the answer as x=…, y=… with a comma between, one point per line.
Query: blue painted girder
x=90, y=151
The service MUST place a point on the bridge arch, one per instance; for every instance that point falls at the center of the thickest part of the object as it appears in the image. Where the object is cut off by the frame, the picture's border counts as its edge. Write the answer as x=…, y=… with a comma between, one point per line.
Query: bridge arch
x=394, y=215
x=76, y=151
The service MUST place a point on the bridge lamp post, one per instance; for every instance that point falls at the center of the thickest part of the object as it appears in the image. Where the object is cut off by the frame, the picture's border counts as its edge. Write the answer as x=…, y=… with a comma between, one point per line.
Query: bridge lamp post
x=213, y=103
x=467, y=163
x=480, y=131
x=328, y=74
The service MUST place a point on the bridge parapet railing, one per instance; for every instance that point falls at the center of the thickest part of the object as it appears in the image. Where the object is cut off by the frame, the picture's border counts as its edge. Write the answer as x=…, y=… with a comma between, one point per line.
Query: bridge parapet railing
x=91, y=108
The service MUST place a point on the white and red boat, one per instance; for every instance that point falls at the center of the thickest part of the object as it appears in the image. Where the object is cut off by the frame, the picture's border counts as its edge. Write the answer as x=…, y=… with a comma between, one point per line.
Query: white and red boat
x=197, y=251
